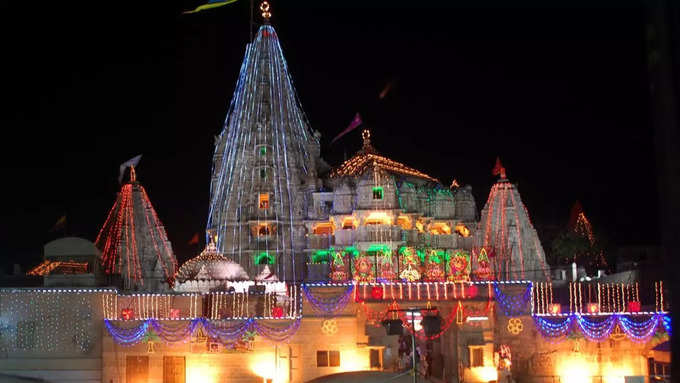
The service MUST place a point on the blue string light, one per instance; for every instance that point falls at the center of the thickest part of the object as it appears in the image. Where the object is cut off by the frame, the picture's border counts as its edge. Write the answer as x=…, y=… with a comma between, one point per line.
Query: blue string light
x=666, y=320
x=513, y=305
x=264, y=110
x=214, y=329
x=331, y=305
x=599, y=328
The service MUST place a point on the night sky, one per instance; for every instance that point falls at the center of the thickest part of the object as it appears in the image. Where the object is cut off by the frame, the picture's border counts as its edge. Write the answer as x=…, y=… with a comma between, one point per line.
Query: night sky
x=560, y=94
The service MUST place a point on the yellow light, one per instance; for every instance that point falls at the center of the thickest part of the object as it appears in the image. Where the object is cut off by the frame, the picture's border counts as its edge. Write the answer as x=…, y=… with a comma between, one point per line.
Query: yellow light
x=378, y=218
x=616, y=374
x=264, y=366
x=199, y=371
x=440, y=228
x=350, y=361
x=462, y=230
x=575, y=368
x=485, y=374
x=350, y=223
x=404, y=221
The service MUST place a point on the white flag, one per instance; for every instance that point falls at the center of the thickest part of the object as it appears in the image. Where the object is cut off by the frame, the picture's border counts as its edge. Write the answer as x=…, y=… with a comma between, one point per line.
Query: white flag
x=131, y=162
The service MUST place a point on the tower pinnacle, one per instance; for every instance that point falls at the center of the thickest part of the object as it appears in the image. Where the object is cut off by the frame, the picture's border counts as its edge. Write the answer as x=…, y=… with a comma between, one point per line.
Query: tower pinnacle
x=264, y=7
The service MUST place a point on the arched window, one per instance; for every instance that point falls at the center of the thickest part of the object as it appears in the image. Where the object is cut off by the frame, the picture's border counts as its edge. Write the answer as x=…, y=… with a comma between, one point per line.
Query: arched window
x=349, y=223
x=324, y=228
x=264, y=201
x=462, y=230
x=404, y=222
x=378, y=218
x=263, y=230
x=440, y=228
x=264, y=258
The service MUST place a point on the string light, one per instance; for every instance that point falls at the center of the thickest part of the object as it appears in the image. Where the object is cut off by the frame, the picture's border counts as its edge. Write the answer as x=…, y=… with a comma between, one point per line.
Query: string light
x=117, y=237
x=496, y=227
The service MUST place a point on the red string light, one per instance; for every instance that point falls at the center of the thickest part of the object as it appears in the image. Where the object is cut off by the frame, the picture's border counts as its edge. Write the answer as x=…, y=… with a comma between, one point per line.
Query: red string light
x=117, y=238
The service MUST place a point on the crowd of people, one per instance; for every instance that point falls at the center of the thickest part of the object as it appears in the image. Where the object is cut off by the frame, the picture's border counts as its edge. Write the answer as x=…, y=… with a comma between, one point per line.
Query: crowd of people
x=404, y=359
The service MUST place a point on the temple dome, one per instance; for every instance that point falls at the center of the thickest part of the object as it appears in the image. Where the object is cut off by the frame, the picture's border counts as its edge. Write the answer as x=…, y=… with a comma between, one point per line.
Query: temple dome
x=211, y=264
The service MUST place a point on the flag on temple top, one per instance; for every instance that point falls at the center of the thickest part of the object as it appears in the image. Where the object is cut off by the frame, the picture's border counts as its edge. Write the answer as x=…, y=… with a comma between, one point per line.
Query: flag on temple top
x=211, y=4
x=498, y=169
x=454, y=184
x=352, y=125
x=385, y=90
x=194, y=240
x=61, y=222
x=131, y=162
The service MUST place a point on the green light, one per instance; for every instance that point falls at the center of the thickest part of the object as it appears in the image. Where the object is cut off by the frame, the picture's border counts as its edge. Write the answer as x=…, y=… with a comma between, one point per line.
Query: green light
x=264, y=258
x=351, y=250
x=263, y=151
x=378, y=192
x=421, y=255
x=322, y=256
x=379, y=248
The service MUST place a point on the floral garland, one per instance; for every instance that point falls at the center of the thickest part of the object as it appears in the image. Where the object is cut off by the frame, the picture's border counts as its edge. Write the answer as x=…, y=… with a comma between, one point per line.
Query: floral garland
x=329, y=306
x=599, y=329
x=182, y=332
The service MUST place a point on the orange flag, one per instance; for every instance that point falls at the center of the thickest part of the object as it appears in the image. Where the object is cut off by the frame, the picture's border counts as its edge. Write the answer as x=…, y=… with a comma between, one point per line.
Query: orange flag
x=194, y=240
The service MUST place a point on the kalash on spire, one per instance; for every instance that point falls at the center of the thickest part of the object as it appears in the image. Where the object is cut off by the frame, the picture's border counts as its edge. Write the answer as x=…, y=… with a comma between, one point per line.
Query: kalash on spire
x=264, y=165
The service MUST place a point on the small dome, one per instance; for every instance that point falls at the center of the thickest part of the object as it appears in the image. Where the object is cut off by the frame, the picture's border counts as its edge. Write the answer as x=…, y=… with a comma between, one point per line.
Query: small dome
x=210, y=264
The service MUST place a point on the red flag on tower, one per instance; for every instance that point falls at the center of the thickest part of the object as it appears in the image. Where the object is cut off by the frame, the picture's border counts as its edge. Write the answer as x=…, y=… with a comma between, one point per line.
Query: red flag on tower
x=194, y=240
x=498, y=169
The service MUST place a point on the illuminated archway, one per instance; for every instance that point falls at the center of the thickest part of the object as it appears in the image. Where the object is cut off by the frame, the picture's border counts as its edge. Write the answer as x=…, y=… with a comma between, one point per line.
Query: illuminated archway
x=378, y=218
x=440, y=228
x=349, y=223
x=404, y=222
x=324, y=228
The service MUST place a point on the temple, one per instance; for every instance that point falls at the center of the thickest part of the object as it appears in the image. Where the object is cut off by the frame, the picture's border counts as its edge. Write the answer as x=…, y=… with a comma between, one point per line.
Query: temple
x=310, y=270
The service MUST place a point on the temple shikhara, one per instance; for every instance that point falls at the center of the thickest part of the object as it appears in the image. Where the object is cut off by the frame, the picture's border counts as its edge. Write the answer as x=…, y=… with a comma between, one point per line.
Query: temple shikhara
x=310, y=270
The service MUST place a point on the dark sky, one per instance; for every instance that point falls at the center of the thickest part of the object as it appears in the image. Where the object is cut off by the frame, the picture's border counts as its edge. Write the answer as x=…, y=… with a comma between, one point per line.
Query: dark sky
x=560, y=94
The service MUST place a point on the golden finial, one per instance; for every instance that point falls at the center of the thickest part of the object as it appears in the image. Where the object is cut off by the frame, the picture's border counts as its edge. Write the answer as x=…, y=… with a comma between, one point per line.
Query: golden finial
x=264, y=7
x=366, y=135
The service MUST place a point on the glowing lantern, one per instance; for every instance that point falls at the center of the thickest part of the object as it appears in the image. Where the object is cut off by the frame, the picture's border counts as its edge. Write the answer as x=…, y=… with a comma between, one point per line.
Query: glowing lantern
x=593, y=307
x=471, y=291
x=634, y=306
x=377, y=292
x=277, y=312
x=555, y=308
x=174, y=313
x=127, y=314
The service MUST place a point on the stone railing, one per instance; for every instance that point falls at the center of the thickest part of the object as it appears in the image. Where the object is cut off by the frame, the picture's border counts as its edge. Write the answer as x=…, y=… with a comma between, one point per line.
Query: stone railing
x=379, y=233
x=320, y=241
x=345, y=237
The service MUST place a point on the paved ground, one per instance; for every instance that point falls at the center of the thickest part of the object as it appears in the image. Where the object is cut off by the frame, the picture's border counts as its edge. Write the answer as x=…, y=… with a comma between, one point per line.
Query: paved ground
x=18, y=379
x=368, y=377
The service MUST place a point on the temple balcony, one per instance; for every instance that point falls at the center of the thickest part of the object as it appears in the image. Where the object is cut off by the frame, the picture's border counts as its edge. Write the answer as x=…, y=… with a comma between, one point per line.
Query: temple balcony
x=345, y=237
x=445, y=241
x=440, y=241
x=320, y=241
x=378, y=233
